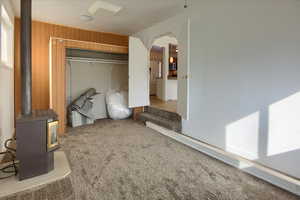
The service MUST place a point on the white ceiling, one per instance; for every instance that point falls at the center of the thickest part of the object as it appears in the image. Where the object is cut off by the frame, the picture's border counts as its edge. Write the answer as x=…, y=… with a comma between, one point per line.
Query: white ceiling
x=135, y=15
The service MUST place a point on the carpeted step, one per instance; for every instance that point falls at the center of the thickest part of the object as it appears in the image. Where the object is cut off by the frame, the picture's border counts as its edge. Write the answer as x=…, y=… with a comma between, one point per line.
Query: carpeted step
x=174, y=125
x=163, y=113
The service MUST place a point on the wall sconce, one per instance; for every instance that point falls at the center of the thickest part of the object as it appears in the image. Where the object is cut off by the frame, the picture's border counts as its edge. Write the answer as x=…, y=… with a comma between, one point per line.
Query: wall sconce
x=171, y=60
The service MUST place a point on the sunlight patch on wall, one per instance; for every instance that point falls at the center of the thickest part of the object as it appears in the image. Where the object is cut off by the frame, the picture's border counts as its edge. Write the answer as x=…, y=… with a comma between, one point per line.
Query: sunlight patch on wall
x=284, y=125
x=242, y=137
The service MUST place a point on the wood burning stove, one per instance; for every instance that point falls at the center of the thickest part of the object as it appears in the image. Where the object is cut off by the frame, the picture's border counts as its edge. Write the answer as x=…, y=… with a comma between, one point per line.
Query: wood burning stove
x=36, y=143
x=36, y=130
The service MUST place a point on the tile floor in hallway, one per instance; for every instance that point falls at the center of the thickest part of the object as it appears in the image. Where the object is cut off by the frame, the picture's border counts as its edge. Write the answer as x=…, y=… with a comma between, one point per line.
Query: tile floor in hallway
x=170, y=106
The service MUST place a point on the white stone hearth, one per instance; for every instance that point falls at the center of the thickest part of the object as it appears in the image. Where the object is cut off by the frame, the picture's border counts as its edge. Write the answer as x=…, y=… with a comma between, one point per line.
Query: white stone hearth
x=61, y=170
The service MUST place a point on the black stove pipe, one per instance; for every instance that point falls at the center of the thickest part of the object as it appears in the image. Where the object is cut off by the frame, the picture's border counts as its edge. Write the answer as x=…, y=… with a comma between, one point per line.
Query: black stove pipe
x=26, y=87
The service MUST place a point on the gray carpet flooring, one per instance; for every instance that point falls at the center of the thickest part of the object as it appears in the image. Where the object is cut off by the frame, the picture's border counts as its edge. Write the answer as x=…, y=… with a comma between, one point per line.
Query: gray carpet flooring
x=114, y=160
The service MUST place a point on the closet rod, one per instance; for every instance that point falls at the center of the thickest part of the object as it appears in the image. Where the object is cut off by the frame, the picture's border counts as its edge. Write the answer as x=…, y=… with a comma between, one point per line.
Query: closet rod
x=92, y=60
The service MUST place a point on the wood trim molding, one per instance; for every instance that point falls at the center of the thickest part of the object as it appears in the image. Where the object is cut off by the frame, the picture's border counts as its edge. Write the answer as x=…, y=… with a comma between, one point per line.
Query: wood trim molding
x=95, y=46
x=57, y=73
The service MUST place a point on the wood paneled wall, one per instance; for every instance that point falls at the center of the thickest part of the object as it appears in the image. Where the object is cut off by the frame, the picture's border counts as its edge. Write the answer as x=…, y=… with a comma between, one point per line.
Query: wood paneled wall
x=41, y=33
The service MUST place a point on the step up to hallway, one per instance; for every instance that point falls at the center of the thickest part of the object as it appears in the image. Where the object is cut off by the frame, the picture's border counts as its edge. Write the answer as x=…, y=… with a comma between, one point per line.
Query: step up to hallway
x=162, y=118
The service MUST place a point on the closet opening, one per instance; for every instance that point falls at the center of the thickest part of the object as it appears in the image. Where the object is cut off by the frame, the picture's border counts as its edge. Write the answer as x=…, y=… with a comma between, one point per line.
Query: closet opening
x=90, y=77
x=96, y=69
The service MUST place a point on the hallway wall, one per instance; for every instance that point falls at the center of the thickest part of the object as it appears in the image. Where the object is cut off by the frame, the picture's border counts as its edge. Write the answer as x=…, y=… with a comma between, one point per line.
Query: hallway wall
x=103, y=77
x=172, y=87
x=244, y=88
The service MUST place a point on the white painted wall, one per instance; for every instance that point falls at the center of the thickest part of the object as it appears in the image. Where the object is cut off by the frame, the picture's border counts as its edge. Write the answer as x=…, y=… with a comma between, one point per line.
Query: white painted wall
x=165, y=41
x=103, y=77
x=171, y=89
x=244, y=78
x=6, y=91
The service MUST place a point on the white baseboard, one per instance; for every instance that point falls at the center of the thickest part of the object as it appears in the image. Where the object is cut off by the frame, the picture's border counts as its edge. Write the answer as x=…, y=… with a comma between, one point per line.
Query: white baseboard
x=274, y=177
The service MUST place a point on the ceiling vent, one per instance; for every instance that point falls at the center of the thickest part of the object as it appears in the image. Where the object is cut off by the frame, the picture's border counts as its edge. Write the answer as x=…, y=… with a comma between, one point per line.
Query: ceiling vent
x=105, y=6
x=86, y=18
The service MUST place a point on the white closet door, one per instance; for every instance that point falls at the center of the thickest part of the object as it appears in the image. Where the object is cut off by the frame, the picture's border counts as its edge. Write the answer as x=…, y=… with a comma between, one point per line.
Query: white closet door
x=138, y=73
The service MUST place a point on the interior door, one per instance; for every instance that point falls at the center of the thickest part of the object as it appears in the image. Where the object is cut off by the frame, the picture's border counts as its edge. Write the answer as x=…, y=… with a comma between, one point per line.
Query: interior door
x=183, y=71
x=138, y=73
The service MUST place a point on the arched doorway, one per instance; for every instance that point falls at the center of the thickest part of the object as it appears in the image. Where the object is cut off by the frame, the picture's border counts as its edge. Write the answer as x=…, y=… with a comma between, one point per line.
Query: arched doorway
x=139, y=52
x=163, y=73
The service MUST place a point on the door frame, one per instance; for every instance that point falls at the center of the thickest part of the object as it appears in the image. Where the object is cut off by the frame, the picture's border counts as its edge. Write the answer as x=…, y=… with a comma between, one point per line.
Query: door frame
x=181, y=31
